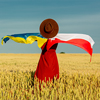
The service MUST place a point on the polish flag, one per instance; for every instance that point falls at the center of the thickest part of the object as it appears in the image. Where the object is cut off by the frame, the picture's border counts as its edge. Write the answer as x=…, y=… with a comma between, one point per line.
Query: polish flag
x=81, y=40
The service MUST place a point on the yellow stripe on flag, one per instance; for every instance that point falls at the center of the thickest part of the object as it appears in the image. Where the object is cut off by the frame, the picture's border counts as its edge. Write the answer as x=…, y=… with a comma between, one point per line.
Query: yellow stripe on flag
x=29, y=40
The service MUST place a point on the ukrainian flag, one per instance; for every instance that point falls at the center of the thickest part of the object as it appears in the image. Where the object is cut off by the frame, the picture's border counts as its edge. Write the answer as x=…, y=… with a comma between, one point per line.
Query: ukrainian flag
x=27, y=38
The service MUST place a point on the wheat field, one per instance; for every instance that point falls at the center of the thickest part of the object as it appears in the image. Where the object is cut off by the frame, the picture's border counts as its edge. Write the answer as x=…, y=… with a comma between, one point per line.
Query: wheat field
x=79, y=78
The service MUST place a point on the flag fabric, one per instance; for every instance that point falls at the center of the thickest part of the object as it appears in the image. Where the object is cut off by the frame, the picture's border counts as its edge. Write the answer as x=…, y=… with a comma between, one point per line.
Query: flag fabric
x=27, y=38
x=81, y=40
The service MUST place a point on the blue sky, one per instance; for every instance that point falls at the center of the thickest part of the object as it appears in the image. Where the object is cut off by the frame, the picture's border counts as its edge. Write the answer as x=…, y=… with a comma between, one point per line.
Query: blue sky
x=72, y=16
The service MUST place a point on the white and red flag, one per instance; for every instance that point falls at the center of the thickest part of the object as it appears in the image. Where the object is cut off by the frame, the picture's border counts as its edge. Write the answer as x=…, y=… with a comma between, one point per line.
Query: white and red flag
x=81, y=40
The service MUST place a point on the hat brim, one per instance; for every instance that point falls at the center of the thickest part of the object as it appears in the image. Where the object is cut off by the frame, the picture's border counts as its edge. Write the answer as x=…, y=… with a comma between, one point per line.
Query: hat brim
x=53, y=32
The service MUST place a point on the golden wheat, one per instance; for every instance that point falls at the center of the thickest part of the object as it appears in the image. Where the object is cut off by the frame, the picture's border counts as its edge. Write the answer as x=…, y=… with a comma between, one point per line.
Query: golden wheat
x=79, y=79
x=19, y=86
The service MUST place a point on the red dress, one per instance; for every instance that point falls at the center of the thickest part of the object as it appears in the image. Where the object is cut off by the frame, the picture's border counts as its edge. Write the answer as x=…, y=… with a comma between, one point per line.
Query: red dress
x=48, y=66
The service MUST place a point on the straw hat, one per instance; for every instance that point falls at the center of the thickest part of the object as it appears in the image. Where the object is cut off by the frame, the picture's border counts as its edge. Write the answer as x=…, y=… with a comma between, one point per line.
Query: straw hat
x=49, y=28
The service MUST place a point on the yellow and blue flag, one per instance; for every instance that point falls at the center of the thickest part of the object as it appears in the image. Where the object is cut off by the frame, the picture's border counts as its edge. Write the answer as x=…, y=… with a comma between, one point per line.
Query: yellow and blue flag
x=27, y=38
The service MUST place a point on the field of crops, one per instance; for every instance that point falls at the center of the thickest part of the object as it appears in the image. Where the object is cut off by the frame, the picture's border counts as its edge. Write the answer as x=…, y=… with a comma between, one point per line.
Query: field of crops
x=79, y=78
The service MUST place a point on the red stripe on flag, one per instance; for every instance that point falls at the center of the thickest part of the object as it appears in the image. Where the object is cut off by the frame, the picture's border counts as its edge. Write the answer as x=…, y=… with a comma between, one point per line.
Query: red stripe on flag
x=84, y=44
